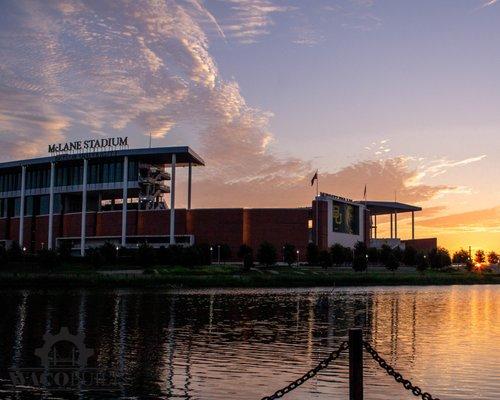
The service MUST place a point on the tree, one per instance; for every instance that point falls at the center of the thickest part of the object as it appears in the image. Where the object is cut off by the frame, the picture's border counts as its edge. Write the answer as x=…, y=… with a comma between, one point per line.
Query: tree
x=492, y=257
x=337, y=253
x=48, y=259
x=289, y=254
x=14, y=252
x=392, y=263
x=325, y=259
x=191, y=256
x=145, y=255
x=422, y=262
x=439, y=258
x=243, y=251
x=460, y=257
x=385, y=252
x=312, y=254
x=248, y=261
x=360, y=249
x=479, y=257
x=109, y=252
x=266, y=255
x=3, y=257
x=359, y=263
x=398, y=253
x=373, y=255
x=223, y=250
x=410, y=256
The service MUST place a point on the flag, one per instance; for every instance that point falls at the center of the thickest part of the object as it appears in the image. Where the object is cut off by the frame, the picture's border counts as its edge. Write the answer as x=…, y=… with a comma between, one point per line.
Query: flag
x=314, y=178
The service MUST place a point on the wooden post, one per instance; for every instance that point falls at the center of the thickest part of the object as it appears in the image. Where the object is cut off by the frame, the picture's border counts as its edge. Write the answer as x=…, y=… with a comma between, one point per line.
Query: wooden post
x=355, y=364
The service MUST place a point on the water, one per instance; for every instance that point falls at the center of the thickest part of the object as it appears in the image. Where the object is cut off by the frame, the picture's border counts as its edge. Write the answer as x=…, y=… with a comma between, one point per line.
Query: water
x=244, y=344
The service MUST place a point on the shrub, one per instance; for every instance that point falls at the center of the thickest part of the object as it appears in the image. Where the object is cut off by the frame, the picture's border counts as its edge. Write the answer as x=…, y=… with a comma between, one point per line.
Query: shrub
x=145, y=256
x=312, y=254
x=266, y=254
x=95, y=257
x=190, y=257
x=247, y=261
x=337, y=253
x=64, y=250
x=373, y=255
x=422, y=262
x=392, y=263
x=360, y=249
x=109, y=252
x=325, y=259
x=205, y=254
x=48, y=259
x=398, y=253
x=222, y=250
x=385, y=252
x=243, y=251
x=439, y=258
x=289, y=254
x=3, y=257
x=410, y=256
x=359, y=263
x=14, y=252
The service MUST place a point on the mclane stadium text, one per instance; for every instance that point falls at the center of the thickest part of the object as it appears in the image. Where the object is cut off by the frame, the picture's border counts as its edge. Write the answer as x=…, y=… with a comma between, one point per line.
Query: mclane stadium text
x=89, y=144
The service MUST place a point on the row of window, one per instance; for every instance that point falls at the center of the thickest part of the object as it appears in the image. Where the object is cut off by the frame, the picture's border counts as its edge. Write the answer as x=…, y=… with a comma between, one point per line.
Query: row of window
x=69, y=175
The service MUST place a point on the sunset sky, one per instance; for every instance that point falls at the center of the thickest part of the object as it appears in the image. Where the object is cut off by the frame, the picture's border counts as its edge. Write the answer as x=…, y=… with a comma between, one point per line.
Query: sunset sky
x=402, y=96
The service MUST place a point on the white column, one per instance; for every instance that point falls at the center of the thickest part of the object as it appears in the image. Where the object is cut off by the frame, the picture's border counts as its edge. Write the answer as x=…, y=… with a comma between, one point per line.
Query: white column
x=51, y=205
x=84, y=208
x=21, y=208
x=391, y=227
x=395, y=225
x=172, y=202
x=125, y=198
x=190, y=176
x=413, y=224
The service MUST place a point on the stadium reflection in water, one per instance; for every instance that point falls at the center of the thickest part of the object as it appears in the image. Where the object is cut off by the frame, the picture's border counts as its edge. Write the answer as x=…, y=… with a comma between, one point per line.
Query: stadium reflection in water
x=244, y=344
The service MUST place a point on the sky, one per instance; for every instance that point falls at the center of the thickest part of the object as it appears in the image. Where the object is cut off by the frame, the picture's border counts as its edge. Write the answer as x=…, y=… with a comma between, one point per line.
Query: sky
x=400, y=96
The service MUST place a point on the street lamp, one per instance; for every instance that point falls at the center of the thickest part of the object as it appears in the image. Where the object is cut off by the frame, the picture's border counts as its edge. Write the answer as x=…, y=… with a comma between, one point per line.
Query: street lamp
x=298, y=258
x=218, y=254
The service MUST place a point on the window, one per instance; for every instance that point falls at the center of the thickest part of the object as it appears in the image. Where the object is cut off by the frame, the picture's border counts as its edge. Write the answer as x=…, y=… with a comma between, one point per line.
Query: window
x=44, y=204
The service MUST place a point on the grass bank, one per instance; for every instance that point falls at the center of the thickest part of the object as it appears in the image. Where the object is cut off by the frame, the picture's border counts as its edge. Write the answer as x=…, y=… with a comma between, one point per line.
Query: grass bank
x=233, y=276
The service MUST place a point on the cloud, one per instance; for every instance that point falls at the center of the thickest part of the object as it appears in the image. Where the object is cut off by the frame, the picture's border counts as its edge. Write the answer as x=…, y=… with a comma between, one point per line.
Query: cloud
x=484, y=219
x=250, y=19
x=76, y=67
x=489, y=3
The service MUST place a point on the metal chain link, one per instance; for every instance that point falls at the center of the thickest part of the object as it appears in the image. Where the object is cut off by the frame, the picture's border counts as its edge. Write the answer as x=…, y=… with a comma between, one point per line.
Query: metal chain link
x=310, y=374
x=396, y=375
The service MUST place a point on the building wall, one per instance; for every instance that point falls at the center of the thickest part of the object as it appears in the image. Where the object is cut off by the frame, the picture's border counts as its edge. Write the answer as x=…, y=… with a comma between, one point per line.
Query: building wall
x=277, y=226
x=217, y=226
x=424, y=245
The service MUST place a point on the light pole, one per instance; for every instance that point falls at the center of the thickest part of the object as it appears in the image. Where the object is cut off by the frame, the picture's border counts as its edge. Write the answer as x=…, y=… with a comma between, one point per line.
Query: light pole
x=218, y=254
x=283, y=254
x=211, y=254
x=298, y=258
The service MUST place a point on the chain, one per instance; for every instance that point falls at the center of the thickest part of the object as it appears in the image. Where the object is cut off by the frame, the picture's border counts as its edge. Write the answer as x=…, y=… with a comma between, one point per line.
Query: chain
x=310, y=374
x=396, y=375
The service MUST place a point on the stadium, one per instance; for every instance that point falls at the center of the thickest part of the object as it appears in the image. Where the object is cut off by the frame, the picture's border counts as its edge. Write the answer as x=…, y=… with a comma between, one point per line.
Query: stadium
x=86, y=193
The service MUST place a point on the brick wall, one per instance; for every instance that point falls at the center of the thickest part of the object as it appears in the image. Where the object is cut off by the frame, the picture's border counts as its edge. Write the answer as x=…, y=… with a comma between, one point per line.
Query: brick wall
x=217, y=225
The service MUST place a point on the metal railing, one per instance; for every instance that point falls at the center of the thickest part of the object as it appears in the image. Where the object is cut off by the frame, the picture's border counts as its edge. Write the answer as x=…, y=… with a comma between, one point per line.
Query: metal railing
x=355, y=345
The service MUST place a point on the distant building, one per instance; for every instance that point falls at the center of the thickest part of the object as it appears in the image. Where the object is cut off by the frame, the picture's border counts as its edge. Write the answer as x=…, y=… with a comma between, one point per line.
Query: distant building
x=86, y=194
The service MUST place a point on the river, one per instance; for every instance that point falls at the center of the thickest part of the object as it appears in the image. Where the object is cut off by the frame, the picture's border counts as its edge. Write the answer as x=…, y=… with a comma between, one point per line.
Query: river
x=244, y=344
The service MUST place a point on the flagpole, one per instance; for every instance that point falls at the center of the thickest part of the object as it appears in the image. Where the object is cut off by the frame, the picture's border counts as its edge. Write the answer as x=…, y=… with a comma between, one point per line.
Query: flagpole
x=317, y=208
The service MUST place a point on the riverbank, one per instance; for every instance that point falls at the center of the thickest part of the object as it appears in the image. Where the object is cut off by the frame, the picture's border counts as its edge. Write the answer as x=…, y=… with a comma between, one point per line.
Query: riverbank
x=233, y=276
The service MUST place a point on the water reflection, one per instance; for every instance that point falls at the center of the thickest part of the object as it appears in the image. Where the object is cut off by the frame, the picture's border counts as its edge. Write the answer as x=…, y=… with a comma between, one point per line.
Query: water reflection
x=247, y=343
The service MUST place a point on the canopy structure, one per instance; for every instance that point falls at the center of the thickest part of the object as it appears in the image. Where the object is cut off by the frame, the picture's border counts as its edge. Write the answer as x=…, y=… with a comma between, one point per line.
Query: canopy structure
x=391, y=208
x=156, y=155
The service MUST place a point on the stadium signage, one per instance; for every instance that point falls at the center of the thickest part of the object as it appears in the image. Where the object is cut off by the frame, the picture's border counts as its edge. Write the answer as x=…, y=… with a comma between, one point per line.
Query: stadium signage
x=88, y=145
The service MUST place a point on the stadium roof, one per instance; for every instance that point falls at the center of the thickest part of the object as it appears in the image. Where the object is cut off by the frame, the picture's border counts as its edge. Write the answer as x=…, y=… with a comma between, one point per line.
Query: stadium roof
x=389, y=207
x=154, y=155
